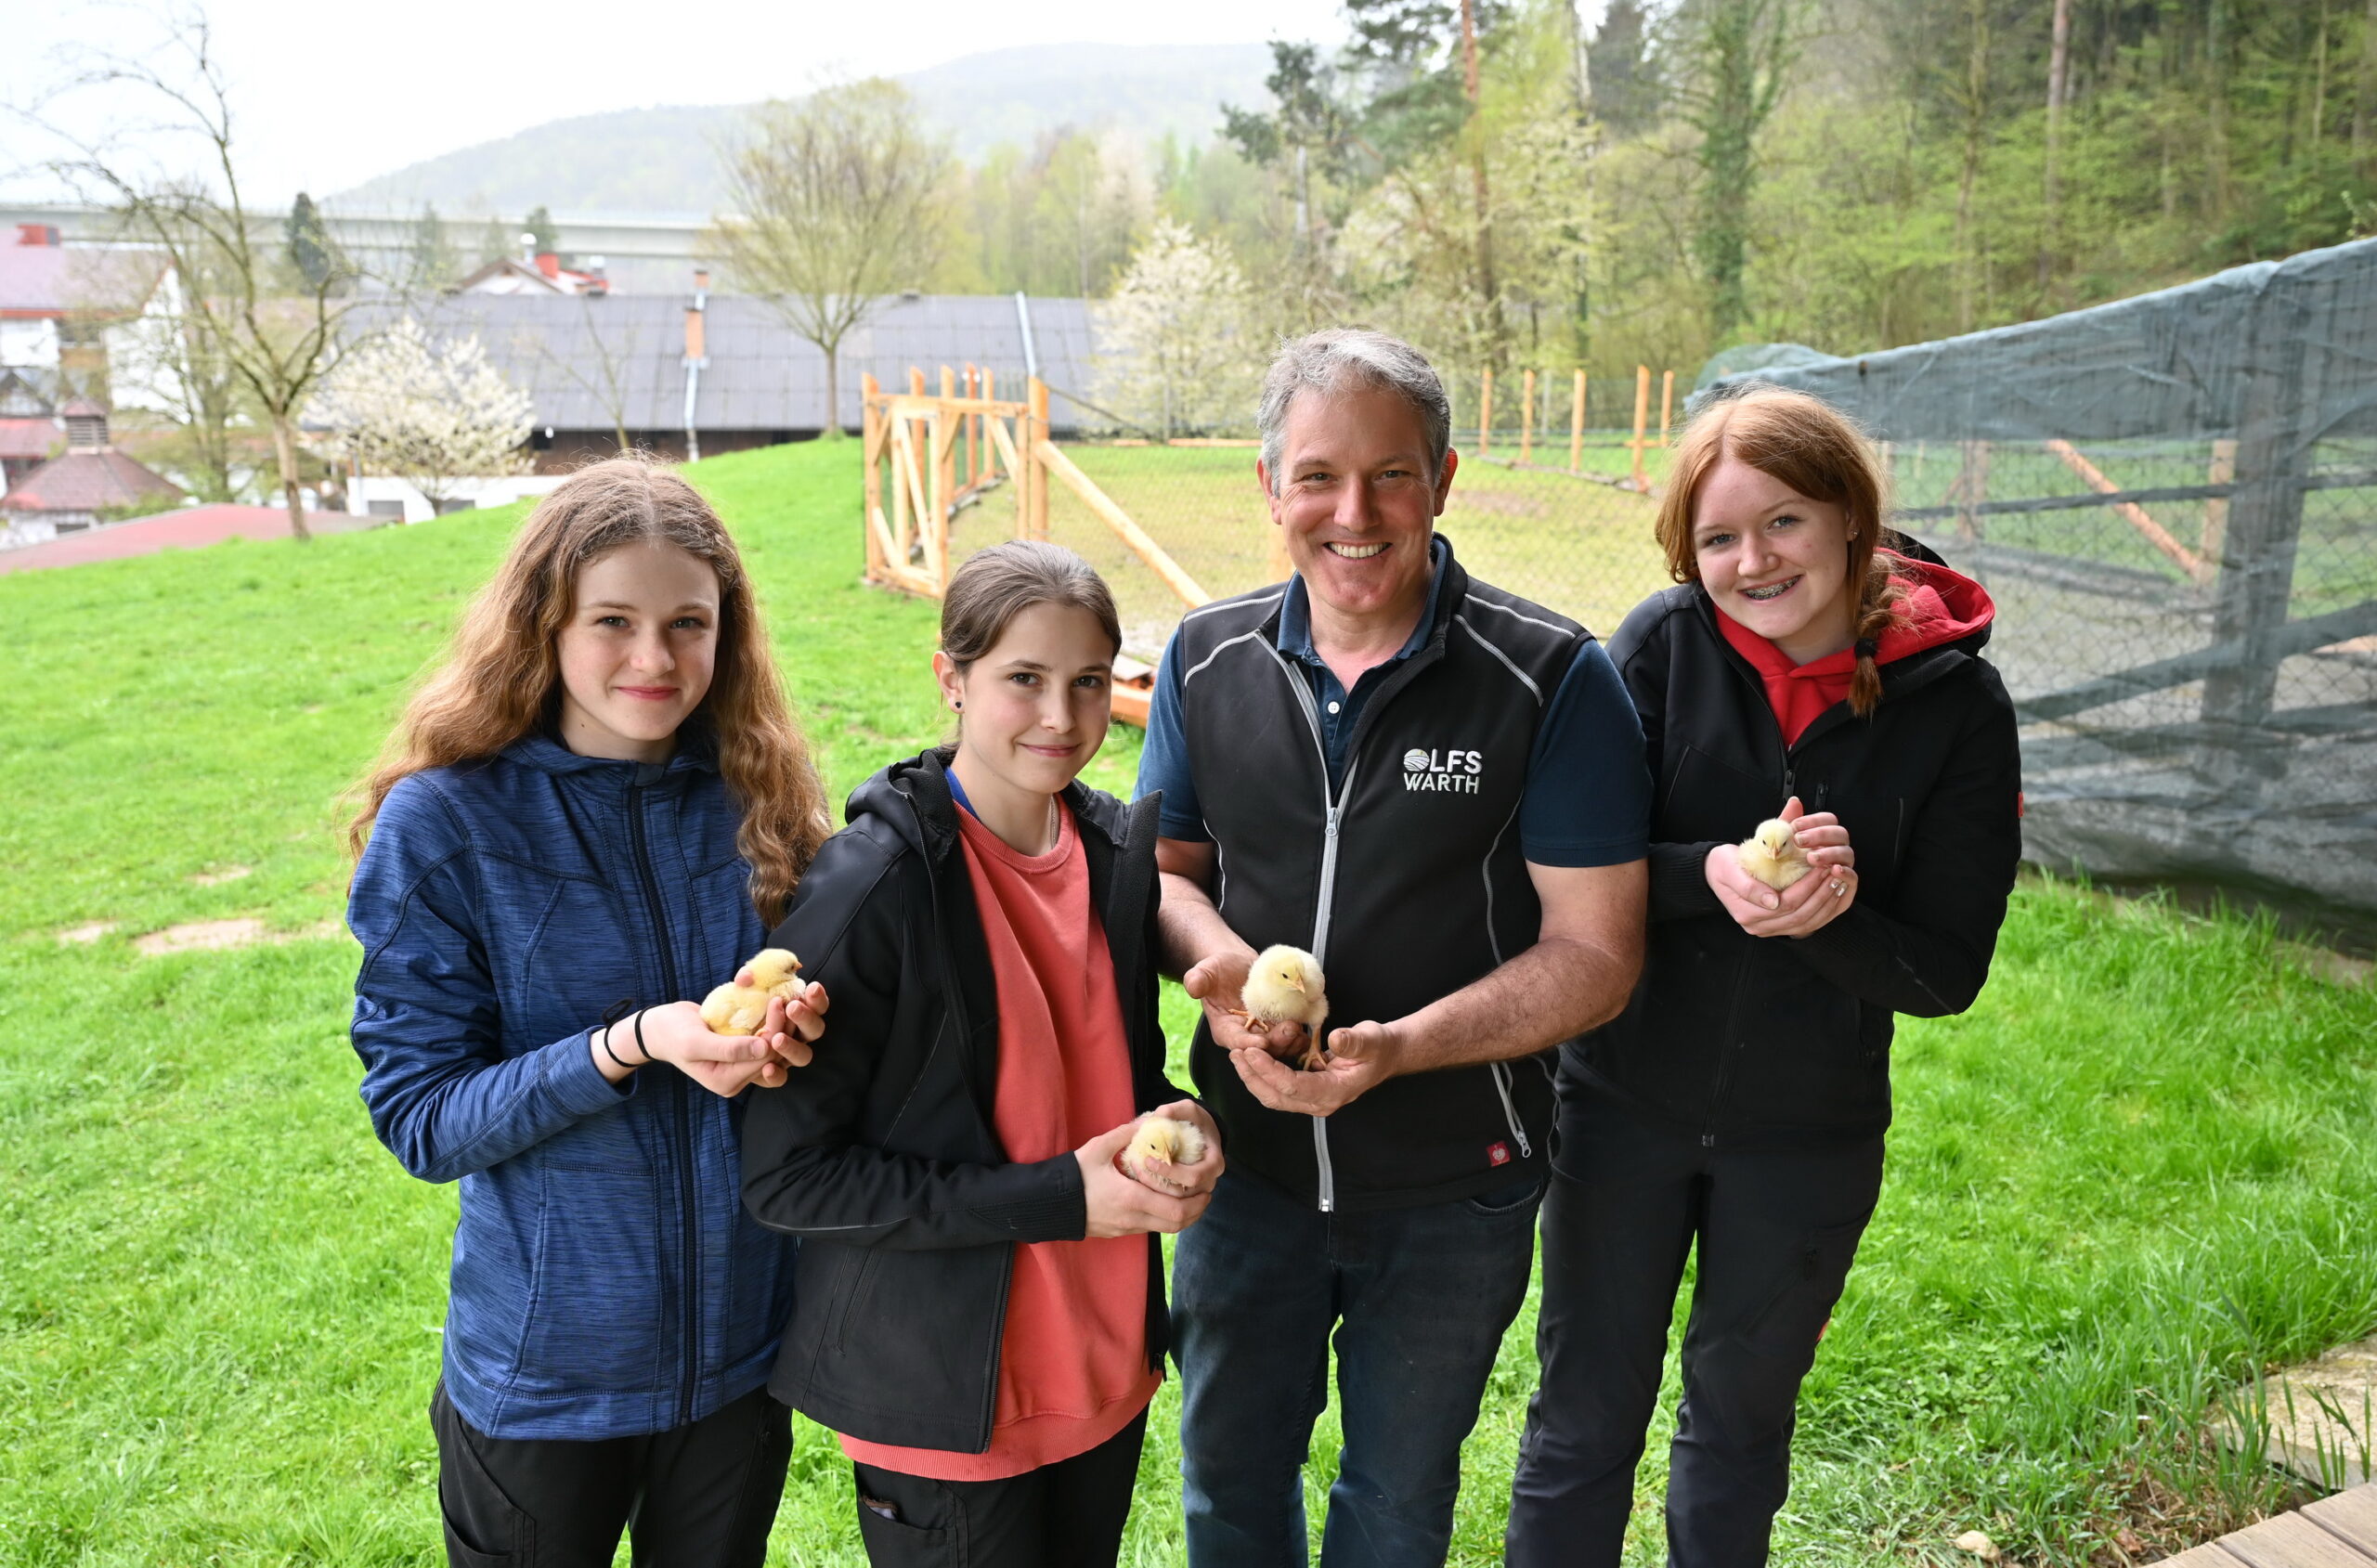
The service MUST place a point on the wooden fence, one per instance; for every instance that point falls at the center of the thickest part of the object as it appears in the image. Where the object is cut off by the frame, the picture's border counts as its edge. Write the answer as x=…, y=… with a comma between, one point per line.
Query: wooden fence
x=1644, y=439
x=932, y=454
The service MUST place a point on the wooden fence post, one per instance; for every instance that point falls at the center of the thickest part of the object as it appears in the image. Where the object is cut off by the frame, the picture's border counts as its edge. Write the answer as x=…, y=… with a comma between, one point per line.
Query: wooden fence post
x=871, y=448
x=1971, y=488
x=2216, y=511
x=990, y=394
x=1576, y=427
x=1666, y=406
x=952, y=422
x=1526, y=415
x=1642, y=419
x=1485, y=412
x=1040, y=474
x=971, y=425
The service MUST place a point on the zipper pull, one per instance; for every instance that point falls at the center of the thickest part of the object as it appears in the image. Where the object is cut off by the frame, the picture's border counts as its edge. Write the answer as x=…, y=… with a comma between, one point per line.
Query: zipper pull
x=1333, y=821
x=1790, y=781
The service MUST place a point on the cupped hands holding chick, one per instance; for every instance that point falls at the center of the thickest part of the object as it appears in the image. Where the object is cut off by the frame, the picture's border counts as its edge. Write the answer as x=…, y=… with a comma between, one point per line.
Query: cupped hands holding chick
x=1357, y=1058
x=1125, y=1193
x=1812, y=899
x=752, y=1030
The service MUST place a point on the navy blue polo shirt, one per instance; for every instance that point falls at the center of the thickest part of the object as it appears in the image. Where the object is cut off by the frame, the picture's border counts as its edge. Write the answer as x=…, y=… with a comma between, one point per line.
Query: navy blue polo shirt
x=1587, y=800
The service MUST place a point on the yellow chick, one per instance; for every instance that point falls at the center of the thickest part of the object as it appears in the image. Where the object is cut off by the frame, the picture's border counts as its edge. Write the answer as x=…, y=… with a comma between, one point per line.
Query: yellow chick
x=1285, y=986
x=1773, y=856
x=1167, y=1140
x=734, y=1009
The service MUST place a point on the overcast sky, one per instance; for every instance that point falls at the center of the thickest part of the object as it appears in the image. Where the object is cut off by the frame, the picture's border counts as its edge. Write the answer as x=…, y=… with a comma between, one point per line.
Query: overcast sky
x=329, y=95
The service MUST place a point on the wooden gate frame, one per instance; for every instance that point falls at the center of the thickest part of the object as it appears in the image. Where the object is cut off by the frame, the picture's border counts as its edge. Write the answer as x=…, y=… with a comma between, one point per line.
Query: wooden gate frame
x=911, y=442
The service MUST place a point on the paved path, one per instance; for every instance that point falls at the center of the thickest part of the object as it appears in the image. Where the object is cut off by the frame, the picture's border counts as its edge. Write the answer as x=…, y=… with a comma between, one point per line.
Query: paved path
x=2339, y=1532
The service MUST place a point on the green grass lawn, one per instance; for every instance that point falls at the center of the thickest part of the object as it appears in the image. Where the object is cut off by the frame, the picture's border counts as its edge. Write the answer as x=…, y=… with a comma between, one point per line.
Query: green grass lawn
x=2141, y=1168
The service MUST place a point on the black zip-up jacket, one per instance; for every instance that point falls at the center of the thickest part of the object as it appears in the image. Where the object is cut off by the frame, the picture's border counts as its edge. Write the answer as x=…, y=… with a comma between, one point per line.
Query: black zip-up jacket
x=881, y=1155
x=1407, y=880
x=1749, y=1040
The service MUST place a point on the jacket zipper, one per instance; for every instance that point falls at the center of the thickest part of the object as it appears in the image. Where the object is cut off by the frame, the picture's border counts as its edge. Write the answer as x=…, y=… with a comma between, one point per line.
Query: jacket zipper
x=1729, y=1044
x=1510, y=1108
x=1325, y=1172
x=688, y=1195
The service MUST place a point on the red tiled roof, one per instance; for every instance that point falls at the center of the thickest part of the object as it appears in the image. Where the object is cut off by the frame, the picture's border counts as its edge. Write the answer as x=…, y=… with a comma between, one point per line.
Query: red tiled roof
x=86, y=482
x=28, y=439
x=186, y=529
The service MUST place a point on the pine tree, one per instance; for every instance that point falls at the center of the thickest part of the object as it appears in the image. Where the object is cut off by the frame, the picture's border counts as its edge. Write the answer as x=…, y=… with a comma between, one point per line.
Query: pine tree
x=309, y=243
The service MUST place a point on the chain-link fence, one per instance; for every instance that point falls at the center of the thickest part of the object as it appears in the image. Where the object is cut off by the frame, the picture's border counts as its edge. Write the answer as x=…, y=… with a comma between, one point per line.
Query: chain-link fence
x=2174, y=501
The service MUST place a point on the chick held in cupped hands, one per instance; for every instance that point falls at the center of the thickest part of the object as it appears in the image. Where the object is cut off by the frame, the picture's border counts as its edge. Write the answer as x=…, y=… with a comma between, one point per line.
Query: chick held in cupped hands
x=1774, y=854
x=1285, y=986
x=1159, y=1146
x=740, y=1009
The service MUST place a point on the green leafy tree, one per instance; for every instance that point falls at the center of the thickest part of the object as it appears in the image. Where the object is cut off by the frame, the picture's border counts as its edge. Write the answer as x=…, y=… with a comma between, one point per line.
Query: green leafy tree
x=837, y=200
x=1741, y=53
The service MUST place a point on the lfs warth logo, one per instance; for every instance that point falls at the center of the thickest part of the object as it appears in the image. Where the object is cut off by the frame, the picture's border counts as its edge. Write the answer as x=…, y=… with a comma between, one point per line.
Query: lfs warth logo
x=1442, y=769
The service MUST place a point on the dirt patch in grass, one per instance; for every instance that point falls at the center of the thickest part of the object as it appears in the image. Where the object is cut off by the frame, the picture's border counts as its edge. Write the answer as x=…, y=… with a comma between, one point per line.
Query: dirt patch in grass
x=84, y=935
x=209, y=935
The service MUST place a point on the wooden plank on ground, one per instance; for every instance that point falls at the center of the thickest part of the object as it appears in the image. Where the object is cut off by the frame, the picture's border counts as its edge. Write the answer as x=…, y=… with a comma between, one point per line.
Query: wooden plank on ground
x=2291, y=1541
x=2206, y=1556
x=2352, y=1515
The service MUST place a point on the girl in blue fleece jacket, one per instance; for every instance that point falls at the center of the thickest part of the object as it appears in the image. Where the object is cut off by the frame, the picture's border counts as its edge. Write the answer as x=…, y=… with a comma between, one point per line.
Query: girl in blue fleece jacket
x=589, y=817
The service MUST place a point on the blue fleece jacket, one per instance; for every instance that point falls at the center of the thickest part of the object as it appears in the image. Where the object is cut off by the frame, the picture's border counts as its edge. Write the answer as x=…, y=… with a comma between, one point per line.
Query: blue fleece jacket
x=606, y=1280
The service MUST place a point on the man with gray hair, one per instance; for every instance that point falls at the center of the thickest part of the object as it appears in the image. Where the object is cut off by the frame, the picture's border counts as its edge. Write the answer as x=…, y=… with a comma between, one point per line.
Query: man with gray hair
x=1437, y=789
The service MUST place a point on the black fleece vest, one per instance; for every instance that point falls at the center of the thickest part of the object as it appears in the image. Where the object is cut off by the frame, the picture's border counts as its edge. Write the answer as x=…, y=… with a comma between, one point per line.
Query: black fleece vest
x=1409, y=885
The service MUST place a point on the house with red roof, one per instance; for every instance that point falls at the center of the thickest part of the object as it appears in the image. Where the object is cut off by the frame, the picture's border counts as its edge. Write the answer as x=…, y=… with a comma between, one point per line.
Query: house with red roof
x=92, y=483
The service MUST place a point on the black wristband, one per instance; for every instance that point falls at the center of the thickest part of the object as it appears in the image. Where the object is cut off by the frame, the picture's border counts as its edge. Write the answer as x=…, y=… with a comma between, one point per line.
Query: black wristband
x=642, y=1049
x=603, y=1037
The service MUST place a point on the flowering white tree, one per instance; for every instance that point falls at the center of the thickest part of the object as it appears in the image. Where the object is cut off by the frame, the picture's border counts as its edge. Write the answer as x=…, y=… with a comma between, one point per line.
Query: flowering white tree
x=1177, y=353
x=433, y=415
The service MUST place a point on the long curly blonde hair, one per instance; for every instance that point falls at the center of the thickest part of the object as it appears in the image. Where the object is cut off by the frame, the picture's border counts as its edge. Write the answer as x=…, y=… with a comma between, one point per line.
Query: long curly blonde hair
x=502, y=679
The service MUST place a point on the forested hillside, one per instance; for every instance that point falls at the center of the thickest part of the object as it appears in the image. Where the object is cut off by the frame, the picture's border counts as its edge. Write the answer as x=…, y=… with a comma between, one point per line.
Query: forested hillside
x=1849, y=174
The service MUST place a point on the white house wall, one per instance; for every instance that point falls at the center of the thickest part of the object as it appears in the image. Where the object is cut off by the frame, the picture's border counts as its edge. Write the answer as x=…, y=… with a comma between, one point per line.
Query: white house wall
x=29, y=345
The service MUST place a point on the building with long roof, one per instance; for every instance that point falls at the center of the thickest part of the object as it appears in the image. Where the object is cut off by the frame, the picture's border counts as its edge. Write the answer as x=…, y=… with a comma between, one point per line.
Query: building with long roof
x=702, y=373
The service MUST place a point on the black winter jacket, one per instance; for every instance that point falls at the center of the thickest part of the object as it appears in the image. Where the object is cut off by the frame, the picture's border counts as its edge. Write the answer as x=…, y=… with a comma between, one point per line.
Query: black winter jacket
x=881, y=1154
x=1749, y=1040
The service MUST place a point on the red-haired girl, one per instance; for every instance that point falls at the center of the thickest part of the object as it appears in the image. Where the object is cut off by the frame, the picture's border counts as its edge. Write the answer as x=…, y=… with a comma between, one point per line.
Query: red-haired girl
x=1812, y=668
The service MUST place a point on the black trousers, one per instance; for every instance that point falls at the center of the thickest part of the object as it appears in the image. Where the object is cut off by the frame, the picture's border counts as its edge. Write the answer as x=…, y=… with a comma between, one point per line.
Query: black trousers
x=1777, y=1230
x=700, y=1497
x=1065, y=1515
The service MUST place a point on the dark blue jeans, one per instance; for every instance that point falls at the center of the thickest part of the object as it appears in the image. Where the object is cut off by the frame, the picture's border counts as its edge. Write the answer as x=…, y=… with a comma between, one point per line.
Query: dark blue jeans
x=1419, y=1299
x=1777, y=1230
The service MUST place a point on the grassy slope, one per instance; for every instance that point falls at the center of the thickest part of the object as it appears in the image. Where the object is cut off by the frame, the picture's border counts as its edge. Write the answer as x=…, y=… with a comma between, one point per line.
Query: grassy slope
x=2139, y=1166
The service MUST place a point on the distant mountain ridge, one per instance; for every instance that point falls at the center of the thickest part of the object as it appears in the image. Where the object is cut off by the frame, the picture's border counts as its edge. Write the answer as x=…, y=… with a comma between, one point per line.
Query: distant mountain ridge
x=665, y=161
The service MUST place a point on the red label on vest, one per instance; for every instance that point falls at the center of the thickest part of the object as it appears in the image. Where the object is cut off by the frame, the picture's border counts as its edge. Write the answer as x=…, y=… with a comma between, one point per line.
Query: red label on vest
x=1497, y=1154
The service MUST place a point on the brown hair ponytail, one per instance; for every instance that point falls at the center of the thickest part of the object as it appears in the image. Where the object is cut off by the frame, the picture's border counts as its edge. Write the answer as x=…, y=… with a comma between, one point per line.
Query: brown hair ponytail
x=1807, y=443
